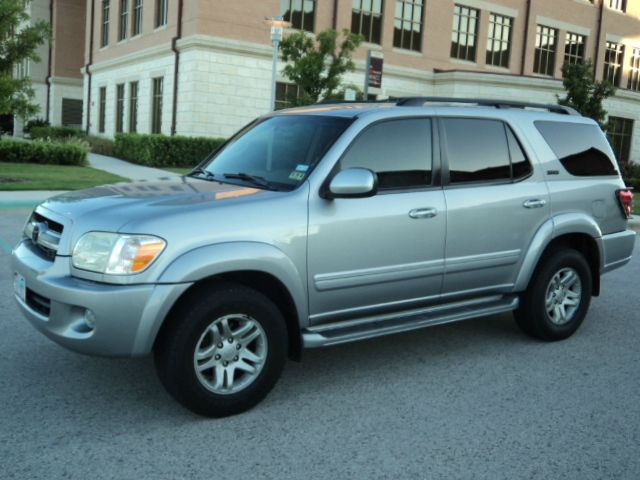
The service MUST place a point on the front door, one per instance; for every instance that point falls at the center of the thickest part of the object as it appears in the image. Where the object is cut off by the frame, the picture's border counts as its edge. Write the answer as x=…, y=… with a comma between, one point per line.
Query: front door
x=386, y=252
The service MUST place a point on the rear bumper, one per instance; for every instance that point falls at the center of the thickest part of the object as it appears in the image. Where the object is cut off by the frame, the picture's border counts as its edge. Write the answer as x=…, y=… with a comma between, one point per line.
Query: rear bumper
x=124, y=318
x=617, y=249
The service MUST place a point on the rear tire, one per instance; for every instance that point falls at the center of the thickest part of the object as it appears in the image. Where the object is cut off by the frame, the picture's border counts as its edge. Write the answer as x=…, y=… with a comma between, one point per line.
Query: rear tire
x=557, y=299
x=222, y=351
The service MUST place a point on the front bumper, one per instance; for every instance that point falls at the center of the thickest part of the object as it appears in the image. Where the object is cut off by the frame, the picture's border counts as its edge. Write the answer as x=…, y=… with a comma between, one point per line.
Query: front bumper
x=125, y=319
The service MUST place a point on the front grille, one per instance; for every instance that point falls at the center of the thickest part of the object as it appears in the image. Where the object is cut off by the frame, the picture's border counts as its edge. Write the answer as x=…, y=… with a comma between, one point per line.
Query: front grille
x=44, y=233
x=38, y=303
x=55, y=226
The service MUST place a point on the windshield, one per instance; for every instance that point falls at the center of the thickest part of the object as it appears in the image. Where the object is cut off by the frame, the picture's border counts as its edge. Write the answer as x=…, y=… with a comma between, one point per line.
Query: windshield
x=277, y=152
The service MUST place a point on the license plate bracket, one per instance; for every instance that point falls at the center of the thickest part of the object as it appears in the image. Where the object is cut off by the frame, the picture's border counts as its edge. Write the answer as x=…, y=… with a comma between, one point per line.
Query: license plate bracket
x=20, y=287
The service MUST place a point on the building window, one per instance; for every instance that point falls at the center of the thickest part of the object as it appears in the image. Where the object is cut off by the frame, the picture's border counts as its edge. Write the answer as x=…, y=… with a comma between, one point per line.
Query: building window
x=133, y=107
x=119, y=107
x=465, y=33
x=407, y=31
x=105, y=23
x=613, y=61
x=301, y=13
x=544, y=61
x=22, y=69
x=619, y=131
x=634, y=71
x=162, y=12
x=574, y=48
x=156, y=107
x=102, y=109
x=499, y=41
x=71, y=112
x=286, y=93
x=136, y=25
x=620, y=5
x=124, y=19
x=366, y=19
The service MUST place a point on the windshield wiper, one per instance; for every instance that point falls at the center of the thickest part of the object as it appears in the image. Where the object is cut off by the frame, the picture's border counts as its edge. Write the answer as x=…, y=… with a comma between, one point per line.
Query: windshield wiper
x=199, y=171
x=255, y=179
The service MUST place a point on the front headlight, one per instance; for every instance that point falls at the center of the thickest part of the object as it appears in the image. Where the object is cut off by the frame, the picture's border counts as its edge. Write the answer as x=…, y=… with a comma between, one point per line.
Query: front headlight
x=116, y=254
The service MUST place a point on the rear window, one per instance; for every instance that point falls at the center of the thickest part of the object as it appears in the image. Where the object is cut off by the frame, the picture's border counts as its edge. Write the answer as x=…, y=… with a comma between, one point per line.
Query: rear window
x=480, y=150
x=582, y=149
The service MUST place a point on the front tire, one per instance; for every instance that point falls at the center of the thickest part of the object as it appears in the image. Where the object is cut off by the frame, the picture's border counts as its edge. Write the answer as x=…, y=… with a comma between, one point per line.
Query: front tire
x=558, y=297
x=223, y=350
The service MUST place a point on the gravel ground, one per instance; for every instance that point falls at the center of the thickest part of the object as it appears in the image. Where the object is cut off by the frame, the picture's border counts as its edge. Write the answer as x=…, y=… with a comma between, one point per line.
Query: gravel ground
x=474, y=400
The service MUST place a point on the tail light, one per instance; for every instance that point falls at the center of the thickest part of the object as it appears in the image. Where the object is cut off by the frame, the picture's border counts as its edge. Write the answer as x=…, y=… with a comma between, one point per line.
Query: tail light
x=625, y=197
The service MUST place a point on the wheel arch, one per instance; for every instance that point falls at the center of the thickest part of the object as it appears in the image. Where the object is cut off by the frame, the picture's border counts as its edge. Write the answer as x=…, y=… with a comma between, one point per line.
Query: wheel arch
x=575, y=231
x=255, y=265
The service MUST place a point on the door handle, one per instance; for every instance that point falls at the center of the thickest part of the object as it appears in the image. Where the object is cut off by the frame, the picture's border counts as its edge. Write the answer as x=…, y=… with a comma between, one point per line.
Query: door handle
x=423, y=213
x=534, y=203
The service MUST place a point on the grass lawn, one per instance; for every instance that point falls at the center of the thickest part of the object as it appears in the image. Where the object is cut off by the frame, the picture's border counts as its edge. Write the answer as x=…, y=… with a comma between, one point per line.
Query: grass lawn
x=29, y=176
x=636, y=203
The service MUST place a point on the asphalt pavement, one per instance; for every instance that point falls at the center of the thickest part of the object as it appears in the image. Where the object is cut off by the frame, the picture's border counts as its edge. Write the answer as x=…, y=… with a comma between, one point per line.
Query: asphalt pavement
x=474, y=400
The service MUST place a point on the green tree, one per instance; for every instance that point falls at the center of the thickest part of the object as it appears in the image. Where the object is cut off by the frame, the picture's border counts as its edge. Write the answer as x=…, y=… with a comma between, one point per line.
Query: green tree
x=317, y=65
x=583, y=92
x=19, y=40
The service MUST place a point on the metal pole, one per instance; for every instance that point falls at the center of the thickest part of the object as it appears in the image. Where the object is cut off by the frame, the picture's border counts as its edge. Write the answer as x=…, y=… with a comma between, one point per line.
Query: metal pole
x=274, y=67
x=366, y=76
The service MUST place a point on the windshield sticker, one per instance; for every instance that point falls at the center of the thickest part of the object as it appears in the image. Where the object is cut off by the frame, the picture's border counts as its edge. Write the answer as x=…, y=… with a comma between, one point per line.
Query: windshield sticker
x=302, y=167
x=296, y=175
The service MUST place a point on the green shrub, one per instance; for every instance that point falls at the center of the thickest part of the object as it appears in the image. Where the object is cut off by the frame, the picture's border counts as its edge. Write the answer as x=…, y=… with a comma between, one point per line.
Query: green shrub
x=56, y=133
x=164, y=151
x=102, y=146
x=635, y=183
x=36, y=122
x=632, y=169
x=38, y=151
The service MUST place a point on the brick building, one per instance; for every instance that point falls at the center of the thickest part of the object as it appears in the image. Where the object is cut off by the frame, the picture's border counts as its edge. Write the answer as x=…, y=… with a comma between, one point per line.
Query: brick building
x=219, y=51
x=57, y=78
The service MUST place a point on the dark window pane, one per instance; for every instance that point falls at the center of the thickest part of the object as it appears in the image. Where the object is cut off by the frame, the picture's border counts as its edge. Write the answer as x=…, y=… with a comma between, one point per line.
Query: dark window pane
x=477, y=150
x=399, y=151
x=520, y=165
x=582, y=149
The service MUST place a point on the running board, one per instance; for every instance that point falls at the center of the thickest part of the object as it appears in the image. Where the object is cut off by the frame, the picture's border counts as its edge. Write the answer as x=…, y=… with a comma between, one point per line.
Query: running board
x=377, y=326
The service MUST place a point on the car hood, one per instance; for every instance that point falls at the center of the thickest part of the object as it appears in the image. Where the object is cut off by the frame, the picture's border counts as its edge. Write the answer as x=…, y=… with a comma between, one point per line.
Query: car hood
x=110, y=207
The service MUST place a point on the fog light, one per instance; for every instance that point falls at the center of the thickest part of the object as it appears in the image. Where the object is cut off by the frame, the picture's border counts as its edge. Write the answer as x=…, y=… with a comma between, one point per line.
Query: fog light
x=90, y=319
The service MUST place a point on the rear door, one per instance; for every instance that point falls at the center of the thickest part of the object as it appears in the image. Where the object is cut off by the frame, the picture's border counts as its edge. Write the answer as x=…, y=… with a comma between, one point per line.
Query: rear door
x=495, y=204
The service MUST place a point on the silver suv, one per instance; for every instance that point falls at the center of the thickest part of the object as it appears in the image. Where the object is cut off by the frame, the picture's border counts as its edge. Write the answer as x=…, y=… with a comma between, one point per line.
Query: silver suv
x=331, y=224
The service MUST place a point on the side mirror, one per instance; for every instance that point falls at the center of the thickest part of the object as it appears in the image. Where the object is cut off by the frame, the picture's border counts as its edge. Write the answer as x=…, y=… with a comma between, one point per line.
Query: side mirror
x=353, y=183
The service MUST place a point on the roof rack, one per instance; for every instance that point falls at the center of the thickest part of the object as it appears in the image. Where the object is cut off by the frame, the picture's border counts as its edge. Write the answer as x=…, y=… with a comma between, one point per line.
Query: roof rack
x=485, y=102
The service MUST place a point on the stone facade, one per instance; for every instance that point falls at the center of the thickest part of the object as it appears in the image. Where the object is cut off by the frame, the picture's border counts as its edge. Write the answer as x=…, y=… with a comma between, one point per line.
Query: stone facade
x=57, y=76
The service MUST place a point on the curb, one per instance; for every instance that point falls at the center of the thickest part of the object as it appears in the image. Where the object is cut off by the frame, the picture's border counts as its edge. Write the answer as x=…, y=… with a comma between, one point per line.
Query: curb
x=634, y=223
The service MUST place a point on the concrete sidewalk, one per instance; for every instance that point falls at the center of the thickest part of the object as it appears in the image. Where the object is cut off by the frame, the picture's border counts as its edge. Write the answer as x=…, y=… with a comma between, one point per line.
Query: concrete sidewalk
x=128, y=170
x=136, y=173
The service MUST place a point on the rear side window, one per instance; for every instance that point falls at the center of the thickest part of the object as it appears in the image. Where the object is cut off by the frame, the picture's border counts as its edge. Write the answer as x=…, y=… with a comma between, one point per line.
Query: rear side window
x=399, y=151
x=483, y=151
x=582, y=149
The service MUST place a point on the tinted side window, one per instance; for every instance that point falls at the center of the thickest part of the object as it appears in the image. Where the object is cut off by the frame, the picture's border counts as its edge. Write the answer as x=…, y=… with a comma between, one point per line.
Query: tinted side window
x=582, y=149
x=477, y=150
x=399, y=151
x=520, y=166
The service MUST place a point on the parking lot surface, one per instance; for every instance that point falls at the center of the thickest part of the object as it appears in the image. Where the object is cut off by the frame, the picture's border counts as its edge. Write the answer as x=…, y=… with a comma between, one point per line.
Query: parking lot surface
x=474, y=400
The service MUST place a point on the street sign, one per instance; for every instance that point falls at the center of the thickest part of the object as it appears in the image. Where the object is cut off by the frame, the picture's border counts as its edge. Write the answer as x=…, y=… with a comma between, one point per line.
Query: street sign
x=373, y=74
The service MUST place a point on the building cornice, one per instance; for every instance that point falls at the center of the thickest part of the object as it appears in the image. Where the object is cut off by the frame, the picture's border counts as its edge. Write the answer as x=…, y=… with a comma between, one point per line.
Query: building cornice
x=224, y=44
x=74, y=82
x=131, y=58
